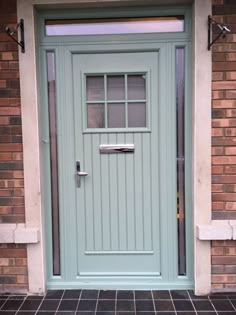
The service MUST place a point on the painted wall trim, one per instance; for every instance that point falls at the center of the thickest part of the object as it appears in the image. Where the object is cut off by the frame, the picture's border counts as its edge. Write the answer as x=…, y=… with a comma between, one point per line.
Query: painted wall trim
x=201, y=151
x=201, y=143
x=18, y=234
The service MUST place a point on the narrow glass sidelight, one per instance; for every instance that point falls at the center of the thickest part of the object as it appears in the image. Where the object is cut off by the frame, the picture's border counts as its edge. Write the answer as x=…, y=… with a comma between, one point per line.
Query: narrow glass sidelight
x=53, y=160
x=180, y=92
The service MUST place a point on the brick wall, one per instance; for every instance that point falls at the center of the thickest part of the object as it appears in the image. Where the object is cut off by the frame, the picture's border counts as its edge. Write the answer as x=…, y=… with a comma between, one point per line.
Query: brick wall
x=224, y=143
x=13, y=259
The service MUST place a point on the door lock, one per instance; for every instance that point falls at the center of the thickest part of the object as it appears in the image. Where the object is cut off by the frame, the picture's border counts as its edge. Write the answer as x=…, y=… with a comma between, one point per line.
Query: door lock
x=79, y=174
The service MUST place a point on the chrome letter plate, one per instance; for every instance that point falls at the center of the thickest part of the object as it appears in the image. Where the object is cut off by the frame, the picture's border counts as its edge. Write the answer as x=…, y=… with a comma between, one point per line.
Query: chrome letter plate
x=116, y=148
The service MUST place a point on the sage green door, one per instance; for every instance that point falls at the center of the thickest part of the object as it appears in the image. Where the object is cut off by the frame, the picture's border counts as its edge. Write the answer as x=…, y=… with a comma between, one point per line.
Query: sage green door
x=116, y=122
x=115, y=103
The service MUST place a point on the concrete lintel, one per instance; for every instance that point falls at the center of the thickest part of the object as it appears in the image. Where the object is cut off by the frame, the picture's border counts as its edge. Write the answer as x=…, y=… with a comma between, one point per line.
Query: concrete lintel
x=216, y=230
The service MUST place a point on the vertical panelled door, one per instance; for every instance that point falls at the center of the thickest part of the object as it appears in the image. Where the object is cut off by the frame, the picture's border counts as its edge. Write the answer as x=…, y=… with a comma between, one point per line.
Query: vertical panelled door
x=119, y=221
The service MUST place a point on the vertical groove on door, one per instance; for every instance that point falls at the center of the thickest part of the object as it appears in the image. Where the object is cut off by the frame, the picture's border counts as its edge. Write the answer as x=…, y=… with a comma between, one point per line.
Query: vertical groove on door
x=97, y=192
x=121, y=194
x=138, y=192
x=113, y=196
x=147, y=209
x=87, y=165
x=130, y=196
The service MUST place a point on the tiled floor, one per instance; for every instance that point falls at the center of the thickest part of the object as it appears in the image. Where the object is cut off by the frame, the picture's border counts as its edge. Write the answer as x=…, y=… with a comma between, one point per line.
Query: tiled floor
x=89, y=302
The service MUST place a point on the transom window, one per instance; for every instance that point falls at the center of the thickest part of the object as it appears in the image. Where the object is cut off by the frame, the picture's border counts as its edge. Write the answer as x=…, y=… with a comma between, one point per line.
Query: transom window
x=116, y=100
x=130, y=25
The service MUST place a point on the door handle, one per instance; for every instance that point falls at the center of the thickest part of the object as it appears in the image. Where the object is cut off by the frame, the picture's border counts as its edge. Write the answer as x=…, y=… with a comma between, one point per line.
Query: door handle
x=79, y=174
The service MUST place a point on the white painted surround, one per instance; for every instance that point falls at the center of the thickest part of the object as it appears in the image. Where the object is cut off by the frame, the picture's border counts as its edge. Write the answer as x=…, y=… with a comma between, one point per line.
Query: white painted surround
x=201, y=122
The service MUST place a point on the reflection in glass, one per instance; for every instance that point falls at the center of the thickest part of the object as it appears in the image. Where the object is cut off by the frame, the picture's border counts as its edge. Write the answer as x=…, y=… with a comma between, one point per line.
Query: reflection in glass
x=95, y=88
x=136, y=87
x=116, y=115
x=53, y=161
x=95, y=116
x=115, y=87
x=137, y=114
x=115, y=26
x=180, y=68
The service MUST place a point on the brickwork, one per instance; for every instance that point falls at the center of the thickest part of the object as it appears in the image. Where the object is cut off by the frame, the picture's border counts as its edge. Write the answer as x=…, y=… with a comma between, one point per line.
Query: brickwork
x=13, y=261
x=224, y=143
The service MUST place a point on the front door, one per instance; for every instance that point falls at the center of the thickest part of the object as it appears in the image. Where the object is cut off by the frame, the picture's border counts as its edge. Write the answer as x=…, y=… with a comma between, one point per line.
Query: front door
x=118, y=193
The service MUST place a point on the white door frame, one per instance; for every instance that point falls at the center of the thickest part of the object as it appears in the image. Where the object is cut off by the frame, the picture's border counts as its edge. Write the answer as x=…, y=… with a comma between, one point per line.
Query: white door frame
x=201, y=122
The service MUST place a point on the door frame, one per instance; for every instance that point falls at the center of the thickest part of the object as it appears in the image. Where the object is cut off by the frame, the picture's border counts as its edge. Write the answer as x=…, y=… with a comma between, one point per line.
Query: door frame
x=165, y=49
x=201, y=141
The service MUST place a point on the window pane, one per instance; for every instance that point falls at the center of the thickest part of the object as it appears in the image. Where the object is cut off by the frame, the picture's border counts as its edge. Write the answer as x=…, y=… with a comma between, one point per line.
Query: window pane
x=95, y=88
x=52, y=112
x=137, y=115
x=115, y=26
x=116, y=115
x=136, y=87
x=95, y=116
x=179, y=67
x=115, y=88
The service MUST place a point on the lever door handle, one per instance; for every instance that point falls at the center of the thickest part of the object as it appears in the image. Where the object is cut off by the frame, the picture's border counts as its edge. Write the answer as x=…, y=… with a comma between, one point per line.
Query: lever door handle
x=78, y=177
x=79, y=174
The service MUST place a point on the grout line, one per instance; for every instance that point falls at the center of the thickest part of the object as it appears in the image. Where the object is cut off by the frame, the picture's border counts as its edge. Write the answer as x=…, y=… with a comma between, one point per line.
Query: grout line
x=40, y=304
x=212, y=304
x=76, y=310
x=5, y=301
x=231, y=303
x=97, y=302
x=21, y=305
x=116, y=302
x=60, y=302
x=134, y=303
x=171, y=298
x=154, y=305
x=192, y=302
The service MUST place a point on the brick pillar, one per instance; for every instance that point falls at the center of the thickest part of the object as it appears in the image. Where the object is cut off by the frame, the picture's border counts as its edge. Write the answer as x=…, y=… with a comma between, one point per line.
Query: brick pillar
x=13, y=257
x=223, y=143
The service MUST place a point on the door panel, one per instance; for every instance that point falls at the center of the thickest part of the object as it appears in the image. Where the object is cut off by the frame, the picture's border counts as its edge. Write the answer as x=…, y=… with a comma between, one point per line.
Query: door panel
x=117, y=204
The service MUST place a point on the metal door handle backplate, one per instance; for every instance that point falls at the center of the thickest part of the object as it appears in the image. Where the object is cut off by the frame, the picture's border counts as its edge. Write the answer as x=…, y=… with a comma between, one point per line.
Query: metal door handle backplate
x=79, y=174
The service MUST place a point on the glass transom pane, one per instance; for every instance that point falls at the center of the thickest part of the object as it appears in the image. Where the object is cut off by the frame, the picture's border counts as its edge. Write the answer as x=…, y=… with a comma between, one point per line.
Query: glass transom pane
x=115, y=26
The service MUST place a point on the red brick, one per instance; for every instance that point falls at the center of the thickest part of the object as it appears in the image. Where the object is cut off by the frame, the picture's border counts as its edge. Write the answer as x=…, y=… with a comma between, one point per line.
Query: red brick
x=10, y=147
x=224, y=85
x=217, y=188
x=230, y=150
x=224, y=179
x=231, y=94
x=230, y=206
x=230, y=169
x=216, y=169
x=217, y=95
x=230, y=75
x=223, y=66
x=231, y=113
x=218, y=205
x=223, y=197
x=224, y=160
x=14, y=271
x=218, y=76
x=217, y=150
